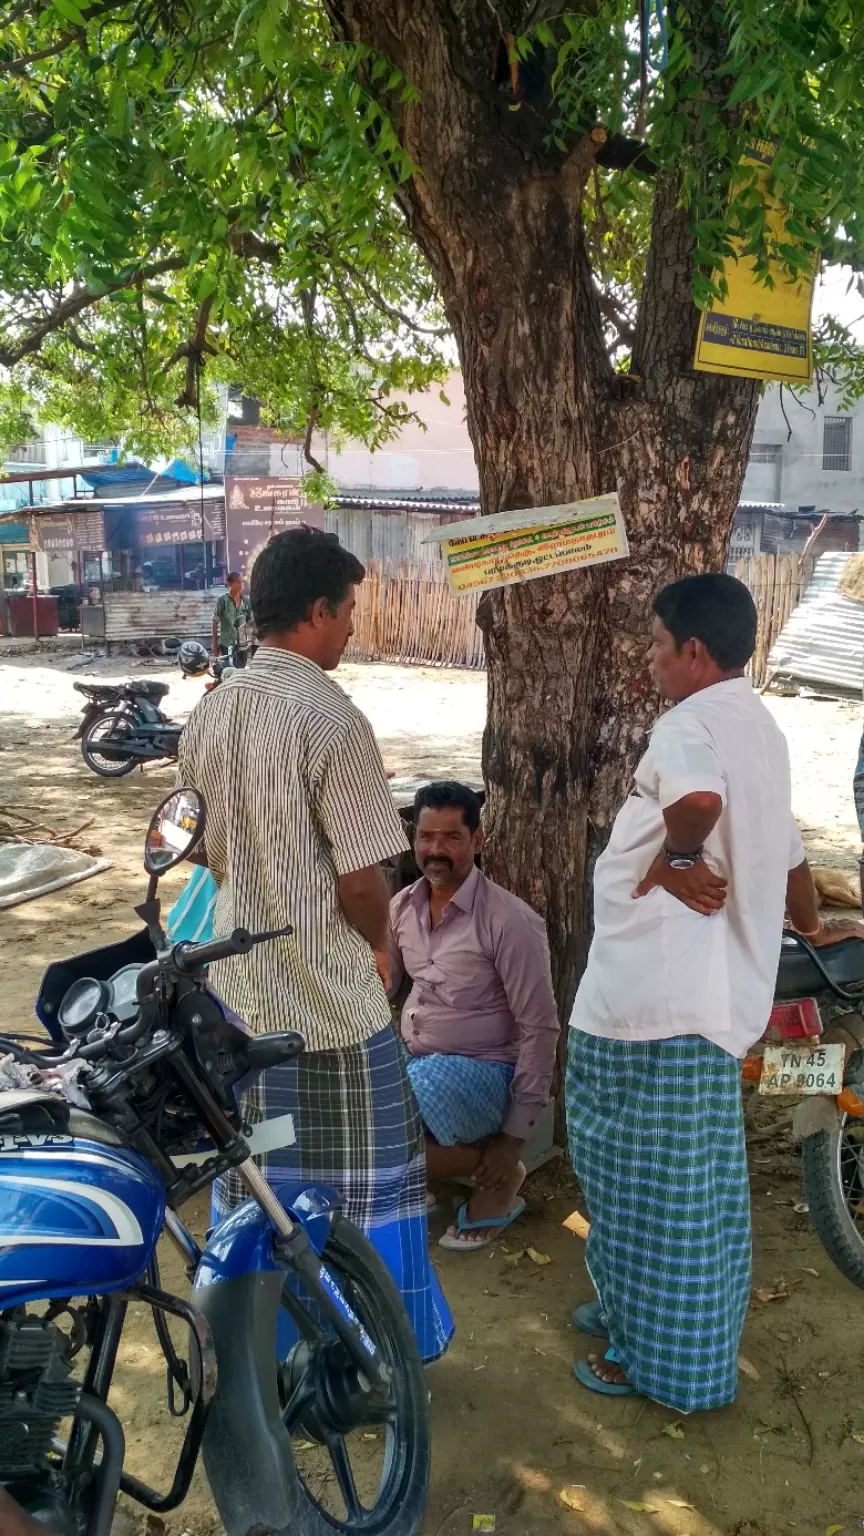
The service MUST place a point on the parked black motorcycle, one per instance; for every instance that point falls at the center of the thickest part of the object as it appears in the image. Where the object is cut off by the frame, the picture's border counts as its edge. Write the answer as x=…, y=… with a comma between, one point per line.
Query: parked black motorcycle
x=122, y=725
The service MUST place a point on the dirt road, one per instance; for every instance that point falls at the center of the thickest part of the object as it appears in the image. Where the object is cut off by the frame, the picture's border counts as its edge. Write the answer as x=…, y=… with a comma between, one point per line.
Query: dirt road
x=511, y=1429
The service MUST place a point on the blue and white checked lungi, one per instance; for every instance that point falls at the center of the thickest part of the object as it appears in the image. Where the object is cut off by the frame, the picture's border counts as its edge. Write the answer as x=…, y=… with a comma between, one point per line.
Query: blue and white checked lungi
x=657, y=1143
x=461, y=1099
x=357, y=1129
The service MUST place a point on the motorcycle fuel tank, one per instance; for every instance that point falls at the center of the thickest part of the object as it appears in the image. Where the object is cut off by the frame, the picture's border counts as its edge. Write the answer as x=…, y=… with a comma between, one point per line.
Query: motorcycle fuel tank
x=77, y=1216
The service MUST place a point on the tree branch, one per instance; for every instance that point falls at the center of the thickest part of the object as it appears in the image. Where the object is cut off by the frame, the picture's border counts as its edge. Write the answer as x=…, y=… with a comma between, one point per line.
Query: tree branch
x=307, y=444
x=19, y=66
x=78, y=300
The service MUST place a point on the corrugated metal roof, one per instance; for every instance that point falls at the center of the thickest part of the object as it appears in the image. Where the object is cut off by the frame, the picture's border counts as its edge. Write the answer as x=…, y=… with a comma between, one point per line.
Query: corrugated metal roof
x=823, y=641
x=383, y=502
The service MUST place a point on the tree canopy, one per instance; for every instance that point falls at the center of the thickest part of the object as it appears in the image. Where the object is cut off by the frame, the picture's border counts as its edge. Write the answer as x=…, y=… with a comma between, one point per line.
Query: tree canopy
x=183, y=181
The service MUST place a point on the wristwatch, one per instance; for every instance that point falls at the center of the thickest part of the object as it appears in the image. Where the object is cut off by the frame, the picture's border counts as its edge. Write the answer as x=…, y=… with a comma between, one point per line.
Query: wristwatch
x=677, y=860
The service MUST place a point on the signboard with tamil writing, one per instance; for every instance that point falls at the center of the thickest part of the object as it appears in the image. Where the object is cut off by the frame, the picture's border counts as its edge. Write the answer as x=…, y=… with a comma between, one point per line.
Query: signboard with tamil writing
x=509, y=547
x=186, y=522
x=256, y=507
x=757, y=331
x=59, y=532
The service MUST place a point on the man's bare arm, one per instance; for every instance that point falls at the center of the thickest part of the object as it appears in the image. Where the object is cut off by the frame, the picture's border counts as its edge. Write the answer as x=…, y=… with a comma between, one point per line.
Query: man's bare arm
x=365, y=900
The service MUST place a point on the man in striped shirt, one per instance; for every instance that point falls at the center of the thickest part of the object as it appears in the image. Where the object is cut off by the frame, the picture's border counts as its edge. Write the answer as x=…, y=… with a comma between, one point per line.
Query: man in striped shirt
x=299, y=819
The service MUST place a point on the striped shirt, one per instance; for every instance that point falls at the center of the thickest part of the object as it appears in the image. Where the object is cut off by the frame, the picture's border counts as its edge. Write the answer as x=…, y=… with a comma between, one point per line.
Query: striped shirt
x=296, y=795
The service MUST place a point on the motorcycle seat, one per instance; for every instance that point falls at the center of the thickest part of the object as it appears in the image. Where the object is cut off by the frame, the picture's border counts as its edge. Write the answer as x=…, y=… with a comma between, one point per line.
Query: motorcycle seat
x=797, y=976
x=151, y=689
x=102, y=690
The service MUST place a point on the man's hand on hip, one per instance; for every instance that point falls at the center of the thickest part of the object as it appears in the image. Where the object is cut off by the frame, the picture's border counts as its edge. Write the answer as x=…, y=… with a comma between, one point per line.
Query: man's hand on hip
x=497, y=1166
x=697, y=888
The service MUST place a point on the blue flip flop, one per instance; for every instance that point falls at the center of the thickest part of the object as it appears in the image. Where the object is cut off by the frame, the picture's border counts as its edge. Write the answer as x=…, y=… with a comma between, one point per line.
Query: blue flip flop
x=591, y=1319
x=494, y=1224
x=586, y=1378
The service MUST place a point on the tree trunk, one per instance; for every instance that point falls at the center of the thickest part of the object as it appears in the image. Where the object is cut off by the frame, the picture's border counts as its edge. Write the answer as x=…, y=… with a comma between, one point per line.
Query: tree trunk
x=569, y=696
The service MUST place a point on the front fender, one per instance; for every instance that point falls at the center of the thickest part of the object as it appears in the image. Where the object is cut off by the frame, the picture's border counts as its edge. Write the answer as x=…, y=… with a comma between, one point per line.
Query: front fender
x=242, y=1243
x=238, y=1287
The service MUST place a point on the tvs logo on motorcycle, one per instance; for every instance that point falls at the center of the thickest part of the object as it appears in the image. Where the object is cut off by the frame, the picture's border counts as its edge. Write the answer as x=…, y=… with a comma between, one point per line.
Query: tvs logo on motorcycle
x=20, y=1142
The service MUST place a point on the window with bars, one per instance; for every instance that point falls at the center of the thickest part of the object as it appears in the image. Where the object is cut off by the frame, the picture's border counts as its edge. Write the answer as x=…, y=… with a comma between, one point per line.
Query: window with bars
x=837, y=443
x=764, y=453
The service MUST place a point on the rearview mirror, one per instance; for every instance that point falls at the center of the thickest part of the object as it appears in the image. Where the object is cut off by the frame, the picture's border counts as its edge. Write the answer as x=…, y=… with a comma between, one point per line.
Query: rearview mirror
x=175, y=831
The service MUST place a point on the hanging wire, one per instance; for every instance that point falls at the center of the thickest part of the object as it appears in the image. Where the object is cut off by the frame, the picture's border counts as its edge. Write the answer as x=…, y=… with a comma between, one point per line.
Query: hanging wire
x=199, y=364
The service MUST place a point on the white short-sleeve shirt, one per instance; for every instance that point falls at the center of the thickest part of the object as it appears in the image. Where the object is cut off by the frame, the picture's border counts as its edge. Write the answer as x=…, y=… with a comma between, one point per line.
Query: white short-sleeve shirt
x=656, y=969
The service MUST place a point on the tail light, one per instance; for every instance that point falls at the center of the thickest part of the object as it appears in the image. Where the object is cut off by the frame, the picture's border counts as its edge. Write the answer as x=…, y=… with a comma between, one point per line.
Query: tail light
x=793, y=1021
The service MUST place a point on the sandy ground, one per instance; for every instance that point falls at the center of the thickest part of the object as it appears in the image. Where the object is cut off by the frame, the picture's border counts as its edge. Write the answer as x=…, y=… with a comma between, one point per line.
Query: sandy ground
x=511, y=1429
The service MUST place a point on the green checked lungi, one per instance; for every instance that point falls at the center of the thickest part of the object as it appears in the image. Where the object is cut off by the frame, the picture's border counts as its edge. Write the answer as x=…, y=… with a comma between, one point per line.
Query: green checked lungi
x=657, y=1143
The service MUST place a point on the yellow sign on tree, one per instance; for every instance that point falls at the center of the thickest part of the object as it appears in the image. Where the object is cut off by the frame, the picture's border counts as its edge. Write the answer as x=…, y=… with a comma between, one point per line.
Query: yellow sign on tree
x=759, y=331
x=509, y=547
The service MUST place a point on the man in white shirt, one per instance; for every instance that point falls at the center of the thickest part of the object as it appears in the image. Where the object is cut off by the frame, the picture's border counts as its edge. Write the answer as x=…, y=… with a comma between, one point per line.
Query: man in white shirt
x=689, y=900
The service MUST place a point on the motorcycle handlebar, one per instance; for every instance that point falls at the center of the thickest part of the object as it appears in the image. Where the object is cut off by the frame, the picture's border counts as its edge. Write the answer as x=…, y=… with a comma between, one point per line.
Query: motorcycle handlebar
x=190, y=957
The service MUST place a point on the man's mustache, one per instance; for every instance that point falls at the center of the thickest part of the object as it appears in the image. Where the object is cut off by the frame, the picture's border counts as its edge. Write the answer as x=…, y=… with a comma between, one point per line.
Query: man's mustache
x=436, y=859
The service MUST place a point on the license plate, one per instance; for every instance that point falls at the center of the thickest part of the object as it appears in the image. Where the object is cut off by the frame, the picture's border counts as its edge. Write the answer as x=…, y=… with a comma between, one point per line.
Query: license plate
x=795, y=1069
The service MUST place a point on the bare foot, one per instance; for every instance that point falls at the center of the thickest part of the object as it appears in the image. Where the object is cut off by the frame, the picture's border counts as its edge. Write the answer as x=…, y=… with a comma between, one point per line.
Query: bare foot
x=607, y=1370
x=486, y=1203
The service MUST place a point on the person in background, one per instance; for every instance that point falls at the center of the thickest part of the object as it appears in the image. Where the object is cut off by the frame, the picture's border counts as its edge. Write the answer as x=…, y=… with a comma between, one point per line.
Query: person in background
x=689, y=901
x=230, y=612
x=480, y=1025
x=299, y=819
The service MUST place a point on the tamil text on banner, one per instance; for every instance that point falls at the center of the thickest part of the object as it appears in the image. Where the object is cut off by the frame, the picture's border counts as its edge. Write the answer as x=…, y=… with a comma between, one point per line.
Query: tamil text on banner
x=509, y=547
x=757, y=331
x=257, y=507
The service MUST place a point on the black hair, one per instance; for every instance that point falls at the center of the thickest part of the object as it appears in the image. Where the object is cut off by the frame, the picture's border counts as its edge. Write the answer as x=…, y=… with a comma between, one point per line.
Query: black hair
x=444, y=794
x=293, y=571
x=714, y=608
x=233, y=576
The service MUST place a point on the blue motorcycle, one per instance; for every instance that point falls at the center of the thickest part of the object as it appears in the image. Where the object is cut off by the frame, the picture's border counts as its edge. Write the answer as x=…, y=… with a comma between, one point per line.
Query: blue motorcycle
x=299, y=1346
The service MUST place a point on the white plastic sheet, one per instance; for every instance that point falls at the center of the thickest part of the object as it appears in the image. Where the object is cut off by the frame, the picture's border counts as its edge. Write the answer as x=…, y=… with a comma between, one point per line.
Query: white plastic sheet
x=28, y=870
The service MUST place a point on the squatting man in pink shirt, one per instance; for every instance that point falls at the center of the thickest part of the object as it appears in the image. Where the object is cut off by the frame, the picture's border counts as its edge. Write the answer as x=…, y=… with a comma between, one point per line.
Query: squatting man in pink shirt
x=480, y=1025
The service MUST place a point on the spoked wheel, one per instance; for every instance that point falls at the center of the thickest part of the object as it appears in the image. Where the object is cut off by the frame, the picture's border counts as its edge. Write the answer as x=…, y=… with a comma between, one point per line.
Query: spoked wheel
x=833, y=1170
x=107, y=729
x=362, y=1453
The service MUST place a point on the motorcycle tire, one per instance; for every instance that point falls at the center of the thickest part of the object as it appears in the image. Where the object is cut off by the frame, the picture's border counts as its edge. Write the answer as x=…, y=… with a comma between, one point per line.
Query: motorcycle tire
x=326, y=1493
x=104, y=726
x=832, y=1164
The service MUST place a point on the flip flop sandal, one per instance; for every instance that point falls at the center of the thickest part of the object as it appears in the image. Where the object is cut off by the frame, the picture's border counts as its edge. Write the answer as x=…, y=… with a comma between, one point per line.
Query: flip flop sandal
x=586, y=1378
x=591, y=1319
x=493, y=1224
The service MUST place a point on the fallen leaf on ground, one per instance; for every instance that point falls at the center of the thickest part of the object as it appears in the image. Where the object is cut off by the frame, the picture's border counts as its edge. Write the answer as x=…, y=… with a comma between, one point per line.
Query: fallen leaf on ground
x=673, y=1431
x=537, y=1257
x=748, y=1368
x=832, y=1530
x=679, y=1504
x=572, y=1497
x=483, y=1523
x=806, y=1270
x=513, y=1258
x=641, y=1509
x=577, y=1224
x=304, y=1445
x=859, y=1438
x=778, y=1295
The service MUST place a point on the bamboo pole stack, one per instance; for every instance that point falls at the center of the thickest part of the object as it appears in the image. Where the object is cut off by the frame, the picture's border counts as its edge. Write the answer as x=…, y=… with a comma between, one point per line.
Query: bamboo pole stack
x=778, y=583
x=407, y=613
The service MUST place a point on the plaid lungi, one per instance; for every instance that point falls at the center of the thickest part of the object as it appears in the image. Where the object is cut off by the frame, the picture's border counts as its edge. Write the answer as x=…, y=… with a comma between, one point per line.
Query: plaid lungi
x=657, y=1143
x=357, y=1129
x=461, y=1099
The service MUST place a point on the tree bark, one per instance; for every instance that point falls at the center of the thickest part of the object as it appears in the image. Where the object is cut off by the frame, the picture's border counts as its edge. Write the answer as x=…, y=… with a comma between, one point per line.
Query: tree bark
x=569, y=696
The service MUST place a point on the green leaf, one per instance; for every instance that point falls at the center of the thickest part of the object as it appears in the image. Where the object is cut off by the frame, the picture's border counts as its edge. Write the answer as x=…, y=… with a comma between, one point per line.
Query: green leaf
x=69, y=11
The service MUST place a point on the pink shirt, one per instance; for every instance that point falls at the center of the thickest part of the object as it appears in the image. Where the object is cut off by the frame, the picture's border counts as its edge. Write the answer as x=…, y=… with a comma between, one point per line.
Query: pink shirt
x=482, y=986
